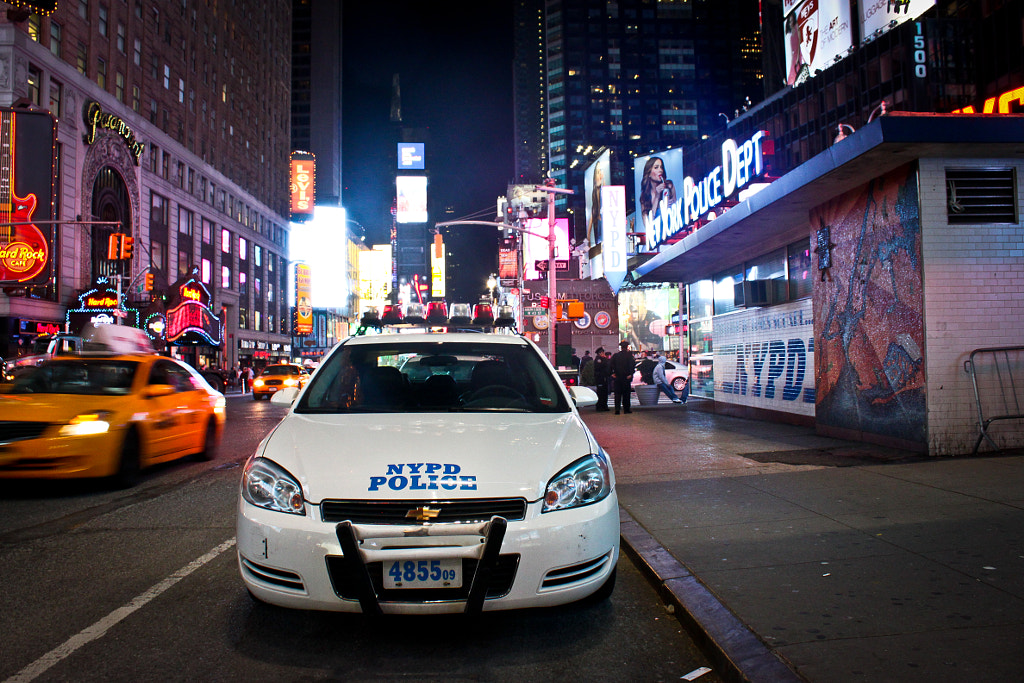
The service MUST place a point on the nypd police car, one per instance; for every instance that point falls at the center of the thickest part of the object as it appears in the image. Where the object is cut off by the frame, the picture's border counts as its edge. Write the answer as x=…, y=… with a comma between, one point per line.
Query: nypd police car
x=434, y=470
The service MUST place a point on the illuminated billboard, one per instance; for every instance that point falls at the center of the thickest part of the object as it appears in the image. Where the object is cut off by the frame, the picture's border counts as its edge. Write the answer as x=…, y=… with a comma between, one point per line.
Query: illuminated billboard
x=437, y=290
x=878, y=16
x=612, y=263
x=302, y=188
x=657, y=186
x=27, y=153
x=535, y=246
x=410, y=156
x=375, y=276
x=818, y=33
x=323, y=244
x=412, y=198
x=303, y=300
x=596, y=175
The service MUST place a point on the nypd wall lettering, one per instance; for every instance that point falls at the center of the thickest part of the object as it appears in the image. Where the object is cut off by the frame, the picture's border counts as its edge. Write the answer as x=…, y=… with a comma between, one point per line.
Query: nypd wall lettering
x=764, y=358
x=423, y=476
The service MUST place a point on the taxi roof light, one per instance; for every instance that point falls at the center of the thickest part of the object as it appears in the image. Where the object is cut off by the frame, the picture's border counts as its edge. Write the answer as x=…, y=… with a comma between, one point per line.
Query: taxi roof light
x=115, y=340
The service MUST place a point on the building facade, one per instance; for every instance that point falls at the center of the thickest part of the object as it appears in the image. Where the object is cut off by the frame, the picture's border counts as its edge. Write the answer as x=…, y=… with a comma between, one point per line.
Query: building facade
x=172, y=128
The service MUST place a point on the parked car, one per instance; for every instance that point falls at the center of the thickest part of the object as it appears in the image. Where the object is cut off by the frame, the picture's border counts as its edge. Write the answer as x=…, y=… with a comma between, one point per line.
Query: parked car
x=675, y=373
x=429, y=473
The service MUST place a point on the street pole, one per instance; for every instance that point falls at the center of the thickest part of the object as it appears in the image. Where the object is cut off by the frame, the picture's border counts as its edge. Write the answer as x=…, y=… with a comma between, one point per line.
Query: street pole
x=552, y=289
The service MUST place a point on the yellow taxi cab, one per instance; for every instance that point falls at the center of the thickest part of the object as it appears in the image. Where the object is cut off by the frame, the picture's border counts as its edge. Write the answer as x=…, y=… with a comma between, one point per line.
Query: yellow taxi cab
x=110, y=412
x=277, y=377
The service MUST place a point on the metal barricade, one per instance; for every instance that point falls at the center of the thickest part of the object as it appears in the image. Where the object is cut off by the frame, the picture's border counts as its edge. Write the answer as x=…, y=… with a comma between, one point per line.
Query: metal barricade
x=998, y=378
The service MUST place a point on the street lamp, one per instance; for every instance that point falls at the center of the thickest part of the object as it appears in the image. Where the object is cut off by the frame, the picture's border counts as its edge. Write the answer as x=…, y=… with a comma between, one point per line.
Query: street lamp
x=491, y=284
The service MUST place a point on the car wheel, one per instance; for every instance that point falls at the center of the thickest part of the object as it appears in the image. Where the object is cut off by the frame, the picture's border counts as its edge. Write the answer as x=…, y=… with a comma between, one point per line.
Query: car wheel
x=210, y=443
x=129, y=467
x=606, y=589
x=678, y=383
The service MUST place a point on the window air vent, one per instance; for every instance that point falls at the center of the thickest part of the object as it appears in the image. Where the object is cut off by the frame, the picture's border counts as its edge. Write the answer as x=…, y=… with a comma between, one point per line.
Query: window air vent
x=980, y=195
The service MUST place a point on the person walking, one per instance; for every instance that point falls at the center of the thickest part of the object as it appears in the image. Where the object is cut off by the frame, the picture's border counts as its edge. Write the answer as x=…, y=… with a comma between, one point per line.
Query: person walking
x=623, y=365
x=247, y=376
x=602, y=374
x=661, y=381
x=235, y=376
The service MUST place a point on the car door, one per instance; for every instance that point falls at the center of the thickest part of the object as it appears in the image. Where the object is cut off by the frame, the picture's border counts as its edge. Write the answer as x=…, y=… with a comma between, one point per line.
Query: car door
x=189, y=409
x=161, y=397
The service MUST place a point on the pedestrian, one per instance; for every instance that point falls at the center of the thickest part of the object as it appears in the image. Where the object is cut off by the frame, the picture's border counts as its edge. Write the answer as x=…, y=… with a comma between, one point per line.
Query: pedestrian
x=247, y=376
x=662, y=382
x=574, y=362
x=587, y=358
x=235, y=374
x=602, y=375
x=623, y=365
x=646, y=368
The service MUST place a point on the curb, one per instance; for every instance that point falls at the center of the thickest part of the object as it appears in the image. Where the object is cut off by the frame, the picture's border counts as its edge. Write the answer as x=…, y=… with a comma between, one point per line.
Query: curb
x=732, y=646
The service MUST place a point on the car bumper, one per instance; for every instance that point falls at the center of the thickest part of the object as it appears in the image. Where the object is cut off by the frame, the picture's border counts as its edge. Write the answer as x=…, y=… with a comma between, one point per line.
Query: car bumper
x=61, y=457
x=545, y=559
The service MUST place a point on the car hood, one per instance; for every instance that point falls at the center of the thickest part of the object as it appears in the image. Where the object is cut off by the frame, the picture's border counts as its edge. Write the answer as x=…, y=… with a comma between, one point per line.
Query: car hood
x=417, y=456
x=53, y=407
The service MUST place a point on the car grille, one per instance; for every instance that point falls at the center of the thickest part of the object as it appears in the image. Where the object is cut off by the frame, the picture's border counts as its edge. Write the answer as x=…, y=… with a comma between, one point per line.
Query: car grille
x=19, y=431
x=395, y=511
x=272, y=382
x=345, y=585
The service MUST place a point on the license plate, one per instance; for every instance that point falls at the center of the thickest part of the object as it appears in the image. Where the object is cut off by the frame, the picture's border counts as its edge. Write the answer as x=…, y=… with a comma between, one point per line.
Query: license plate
x=423, y=574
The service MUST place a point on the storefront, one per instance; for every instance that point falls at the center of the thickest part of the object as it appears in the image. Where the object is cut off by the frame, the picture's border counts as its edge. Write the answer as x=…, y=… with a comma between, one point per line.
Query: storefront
x=850, y=292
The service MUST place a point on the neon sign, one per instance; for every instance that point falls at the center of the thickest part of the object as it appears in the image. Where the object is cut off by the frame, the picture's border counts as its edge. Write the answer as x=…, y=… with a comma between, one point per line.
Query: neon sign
x=95, y=118
x=303, y=184
x=190, y=293
x=1000, y=104
x=740, y=164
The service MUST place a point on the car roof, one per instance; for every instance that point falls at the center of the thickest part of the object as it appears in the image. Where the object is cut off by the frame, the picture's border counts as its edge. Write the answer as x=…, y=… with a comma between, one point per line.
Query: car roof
x=440, y=338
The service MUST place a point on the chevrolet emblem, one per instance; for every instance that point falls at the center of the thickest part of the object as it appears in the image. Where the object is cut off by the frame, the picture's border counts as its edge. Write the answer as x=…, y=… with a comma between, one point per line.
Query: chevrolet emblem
x=422, y=513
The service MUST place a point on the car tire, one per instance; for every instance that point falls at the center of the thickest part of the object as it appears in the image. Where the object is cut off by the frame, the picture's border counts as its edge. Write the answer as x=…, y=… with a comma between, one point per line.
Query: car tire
x=129, y=466
x=210, y=443
x=606, y=589
x=678, y=383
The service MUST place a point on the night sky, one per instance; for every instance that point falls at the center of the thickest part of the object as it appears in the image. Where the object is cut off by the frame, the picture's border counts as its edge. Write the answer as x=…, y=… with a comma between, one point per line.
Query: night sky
x=454, y=60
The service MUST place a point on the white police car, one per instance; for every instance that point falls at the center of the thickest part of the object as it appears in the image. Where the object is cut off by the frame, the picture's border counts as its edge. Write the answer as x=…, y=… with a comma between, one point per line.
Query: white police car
x=468, y=482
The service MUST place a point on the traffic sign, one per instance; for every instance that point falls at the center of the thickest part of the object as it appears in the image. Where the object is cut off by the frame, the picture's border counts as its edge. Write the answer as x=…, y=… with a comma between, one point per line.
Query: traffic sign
x=560, y=265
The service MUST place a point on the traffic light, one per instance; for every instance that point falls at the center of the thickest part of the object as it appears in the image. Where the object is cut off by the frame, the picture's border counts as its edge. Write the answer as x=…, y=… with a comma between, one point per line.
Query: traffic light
x=148, y=283
x=127, y=243
x=114, y=246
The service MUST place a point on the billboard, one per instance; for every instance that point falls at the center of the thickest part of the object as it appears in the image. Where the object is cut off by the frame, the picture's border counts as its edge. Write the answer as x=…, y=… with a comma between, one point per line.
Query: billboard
x=412, y=198
x=508, y=259
x=303, y=300
x=27, y=152
x=323, y=244
x=410, y=156
x=657, y=187
x=818, y=33
x=613, y=252
x=302, y=188
x=437, y=261
x=374, y=276
x=535, y=246
x=881, y=15
x=596, y=175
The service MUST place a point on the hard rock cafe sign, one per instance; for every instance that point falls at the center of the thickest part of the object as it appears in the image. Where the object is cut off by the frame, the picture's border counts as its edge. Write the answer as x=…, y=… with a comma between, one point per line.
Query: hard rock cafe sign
x=97, y=119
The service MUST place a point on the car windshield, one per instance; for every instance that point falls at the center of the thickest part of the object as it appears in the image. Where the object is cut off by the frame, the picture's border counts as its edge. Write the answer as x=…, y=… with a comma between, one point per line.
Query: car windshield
x=434, y=377
x=90, y=376
x=281, y=370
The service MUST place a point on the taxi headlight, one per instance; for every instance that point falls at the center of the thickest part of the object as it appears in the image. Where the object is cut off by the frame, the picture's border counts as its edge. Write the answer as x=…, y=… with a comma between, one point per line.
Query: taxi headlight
x=291, y=382
x=257, y=383
x=96, y=422
x=267, y=485
x=586, y=481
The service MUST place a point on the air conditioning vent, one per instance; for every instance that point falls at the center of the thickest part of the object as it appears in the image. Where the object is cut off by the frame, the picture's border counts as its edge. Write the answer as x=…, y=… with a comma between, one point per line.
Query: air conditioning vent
x=759, y=292
x=981, y=195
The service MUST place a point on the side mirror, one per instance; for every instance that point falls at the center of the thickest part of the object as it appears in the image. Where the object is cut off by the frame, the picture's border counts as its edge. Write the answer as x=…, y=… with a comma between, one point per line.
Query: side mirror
x=154, y=390
x=285, y=397
x=583, y=396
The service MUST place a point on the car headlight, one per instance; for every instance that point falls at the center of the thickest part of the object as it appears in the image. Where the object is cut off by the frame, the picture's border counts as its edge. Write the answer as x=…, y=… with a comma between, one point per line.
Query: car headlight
x=257, y=383
x=96, y=422
x=586, y=481
x=267, y=485
x=291, y=382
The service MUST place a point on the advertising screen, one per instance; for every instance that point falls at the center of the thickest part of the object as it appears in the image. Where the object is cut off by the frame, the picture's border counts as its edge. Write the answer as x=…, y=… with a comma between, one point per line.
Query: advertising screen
x=596, y=175
x=303, y=301
x=657, y=185
x=410, y=156
x=877, y=15
x=412, y=198
x=817, y=32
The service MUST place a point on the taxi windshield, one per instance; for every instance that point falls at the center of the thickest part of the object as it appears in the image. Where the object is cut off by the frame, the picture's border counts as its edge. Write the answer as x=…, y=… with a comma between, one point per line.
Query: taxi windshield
x=281, y=370
x=87, y=376
x=434, y=377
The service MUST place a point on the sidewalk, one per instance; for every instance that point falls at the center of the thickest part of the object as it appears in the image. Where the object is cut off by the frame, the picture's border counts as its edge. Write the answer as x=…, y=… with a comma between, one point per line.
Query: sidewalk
x=799, y=557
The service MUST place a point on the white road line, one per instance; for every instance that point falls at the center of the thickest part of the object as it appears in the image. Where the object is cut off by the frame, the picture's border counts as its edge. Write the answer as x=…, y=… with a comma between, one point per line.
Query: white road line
x=100, y=628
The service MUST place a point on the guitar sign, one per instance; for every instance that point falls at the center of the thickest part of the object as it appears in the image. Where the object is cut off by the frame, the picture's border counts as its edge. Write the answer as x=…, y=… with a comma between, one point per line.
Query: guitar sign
x=23, y=248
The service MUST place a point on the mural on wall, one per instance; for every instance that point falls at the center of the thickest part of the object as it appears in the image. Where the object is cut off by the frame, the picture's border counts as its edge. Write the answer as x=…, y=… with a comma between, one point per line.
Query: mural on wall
x=869, y=369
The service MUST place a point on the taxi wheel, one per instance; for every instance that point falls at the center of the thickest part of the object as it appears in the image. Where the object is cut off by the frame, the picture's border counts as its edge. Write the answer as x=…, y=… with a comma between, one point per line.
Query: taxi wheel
x=129, y=467
x=209, y=451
